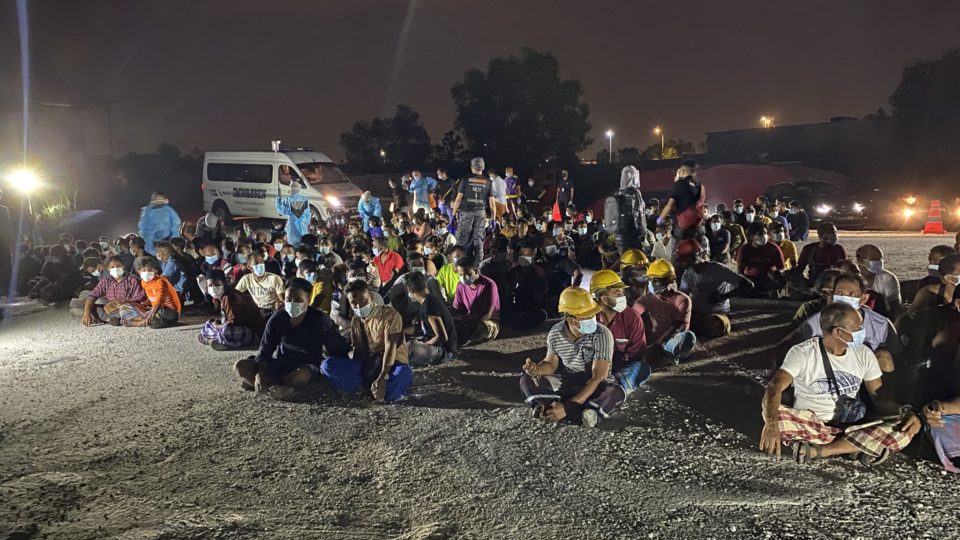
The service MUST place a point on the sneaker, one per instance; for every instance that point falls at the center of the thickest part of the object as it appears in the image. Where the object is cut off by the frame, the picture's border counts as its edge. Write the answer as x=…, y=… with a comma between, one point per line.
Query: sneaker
x=217, y=346
x=590, y=418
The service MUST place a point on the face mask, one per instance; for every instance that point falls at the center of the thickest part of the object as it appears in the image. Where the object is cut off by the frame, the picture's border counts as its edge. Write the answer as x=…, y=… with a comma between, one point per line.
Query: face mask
x=324, y=250
x=761, y=240
x=294, y=309
x=588, y=219
x=387, y=234
x=660, y=236
x=550, y=250
x=540, y=227
x=530, y=184
x=278, y=247
x=778, y=238
x=147, y=276
x=650, y=288
x=117, y=273
x=738, y=209
x=849, y=300
x=420, y=269
x=311, y=277
x=749, y=217
x=955, y=280
x=715, y=227
x=587, y=326
x=364, y=312
x=556, y=231
x=793, y=210
x=467, y=280
x=526, y=261
x=427, y=250
x=288, y=257
x=212, y=259
x=259, y=269
x=648, y=211
x=215, y=292
x=376, y=252
x=934, y=270
x=857, y=338
x=582, y=231
x=875, y=267
x=241, y=258
x=568, y=227
x=620, y=304
x=95, y=273
x=104, y=245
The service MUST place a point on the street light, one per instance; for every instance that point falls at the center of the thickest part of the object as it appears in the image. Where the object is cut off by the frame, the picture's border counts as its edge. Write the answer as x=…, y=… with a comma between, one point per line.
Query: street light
x=383, y=155
x=610, y=139
x=23, y=180
x=767, y=122
x=659, y=131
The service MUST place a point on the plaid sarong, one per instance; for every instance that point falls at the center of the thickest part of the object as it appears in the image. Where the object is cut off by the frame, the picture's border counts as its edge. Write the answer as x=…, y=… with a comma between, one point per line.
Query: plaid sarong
x=231, y=335
x=871, y=439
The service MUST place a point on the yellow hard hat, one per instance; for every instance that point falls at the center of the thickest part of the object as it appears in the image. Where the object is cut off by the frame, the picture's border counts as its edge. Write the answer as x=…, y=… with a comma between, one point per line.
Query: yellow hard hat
x=633, y=256
x=605, y=279
x=578, y=303
x=660, y=269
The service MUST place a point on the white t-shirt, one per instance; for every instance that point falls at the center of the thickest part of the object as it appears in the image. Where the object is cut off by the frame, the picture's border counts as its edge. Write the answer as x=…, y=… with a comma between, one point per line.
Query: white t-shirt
x=267, y=291
x=811, y=388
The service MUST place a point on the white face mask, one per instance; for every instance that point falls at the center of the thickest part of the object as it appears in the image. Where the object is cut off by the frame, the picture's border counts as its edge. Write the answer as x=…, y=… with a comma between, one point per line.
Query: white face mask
x=216, y=291
x=588, y=219
x=526, y=261
x=582, y=231
x=427, y=250
x=376, y=252
x=147, y=276
x=714, y=226
x=749, y=217
x=95, y=273
x=620, y=304
x=778, y=237
x=278, y=247
x=849, y=300
x=364, y=312
x=760, y=240
x=294, y=309
x=117, y=273
x=550, y=250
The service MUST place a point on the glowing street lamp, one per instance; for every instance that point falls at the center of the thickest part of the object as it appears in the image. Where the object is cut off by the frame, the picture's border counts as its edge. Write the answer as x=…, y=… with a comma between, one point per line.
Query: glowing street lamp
x=23, y=180
x=659, y=131
x=767, y=122
x=383, y=155
x=610, y=139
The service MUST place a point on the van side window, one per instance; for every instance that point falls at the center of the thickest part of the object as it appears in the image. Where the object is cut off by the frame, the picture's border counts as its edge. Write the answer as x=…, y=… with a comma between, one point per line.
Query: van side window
x=240, y=172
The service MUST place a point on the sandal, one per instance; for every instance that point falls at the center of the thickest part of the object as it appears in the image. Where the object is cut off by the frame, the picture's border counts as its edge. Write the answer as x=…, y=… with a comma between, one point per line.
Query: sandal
x=804, y=452
x=867, y=460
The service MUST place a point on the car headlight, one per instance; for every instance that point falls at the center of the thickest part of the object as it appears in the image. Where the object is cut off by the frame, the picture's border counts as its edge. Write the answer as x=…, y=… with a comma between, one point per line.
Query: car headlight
x=857, y=207
x=333, y=201
x=908, y=213
x=823, y=209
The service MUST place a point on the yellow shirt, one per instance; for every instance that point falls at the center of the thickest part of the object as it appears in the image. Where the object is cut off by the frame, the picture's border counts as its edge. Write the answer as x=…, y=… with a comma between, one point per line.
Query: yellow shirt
x=789, y=250
x=448, y=278
x=323, y=284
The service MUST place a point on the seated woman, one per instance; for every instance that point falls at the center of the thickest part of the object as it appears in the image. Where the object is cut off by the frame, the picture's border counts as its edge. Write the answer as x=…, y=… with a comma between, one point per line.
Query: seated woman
x=164, y=300
x=116, y=298
x=240, y=322
x=295, y=342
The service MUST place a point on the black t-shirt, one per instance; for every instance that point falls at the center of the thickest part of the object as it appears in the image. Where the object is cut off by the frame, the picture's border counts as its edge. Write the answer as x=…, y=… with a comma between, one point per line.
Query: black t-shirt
x=434, y=307
x=476, y=193
x=686, y=193
x=564, y=186
x=531, y=193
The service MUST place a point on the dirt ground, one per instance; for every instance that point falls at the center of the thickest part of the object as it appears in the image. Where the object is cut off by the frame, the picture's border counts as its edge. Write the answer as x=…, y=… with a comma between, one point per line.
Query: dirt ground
x=141, y=434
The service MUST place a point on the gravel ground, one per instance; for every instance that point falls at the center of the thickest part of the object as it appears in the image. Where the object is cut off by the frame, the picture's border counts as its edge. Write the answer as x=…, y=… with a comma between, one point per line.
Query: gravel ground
x=140, y=434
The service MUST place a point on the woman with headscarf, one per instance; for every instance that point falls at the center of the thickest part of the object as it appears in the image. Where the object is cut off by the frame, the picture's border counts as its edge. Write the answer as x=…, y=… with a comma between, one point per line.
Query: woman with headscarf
x=297, y=211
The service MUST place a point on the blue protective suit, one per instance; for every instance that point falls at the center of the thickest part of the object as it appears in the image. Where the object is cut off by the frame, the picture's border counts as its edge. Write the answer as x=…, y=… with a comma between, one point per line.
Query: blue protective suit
x=298, y=219
x=368, y=209
x=158, y=223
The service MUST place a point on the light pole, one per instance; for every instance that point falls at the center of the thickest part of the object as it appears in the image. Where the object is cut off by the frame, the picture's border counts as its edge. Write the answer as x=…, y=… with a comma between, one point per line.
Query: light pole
x=659, y=131
x=383, y=155
x=767, y=122
x=26, y=182
x=610, y=139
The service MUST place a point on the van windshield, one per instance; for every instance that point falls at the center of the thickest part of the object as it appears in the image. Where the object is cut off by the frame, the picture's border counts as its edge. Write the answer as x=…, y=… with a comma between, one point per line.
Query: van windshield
x=322, y=173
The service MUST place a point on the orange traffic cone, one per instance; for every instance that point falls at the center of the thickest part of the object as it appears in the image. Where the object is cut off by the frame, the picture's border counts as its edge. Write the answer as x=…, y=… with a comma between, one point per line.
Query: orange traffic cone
x=934, y=220
x=556, y=211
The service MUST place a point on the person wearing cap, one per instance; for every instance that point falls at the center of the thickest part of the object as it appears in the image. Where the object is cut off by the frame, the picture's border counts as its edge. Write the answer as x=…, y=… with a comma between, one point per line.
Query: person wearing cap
x=626, y=325
x=297, y=211
x=368, y=207
x=669, y=312
x=158, y=221
x=574, y=383
x=470, y=207
x=710, y=285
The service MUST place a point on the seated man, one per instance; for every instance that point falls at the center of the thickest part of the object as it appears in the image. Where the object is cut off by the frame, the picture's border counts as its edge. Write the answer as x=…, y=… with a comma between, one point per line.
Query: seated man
x=117, y=298
x=821, y=255
x=241, y=321
x=170, y=268
x=719, y=240
x=265, y=288
x=476, y=305
x=379, y=354
x=164, y=300
x=389, y=263
x=828, y=279
x=439, y=341
x=525, y=289
x=665, y=245
x=626, y=326
x=879, y=334
x=668, y=311
x=295, y=341
x=573, y=381
x=761, y=261
x=879, y=279
x=943, y=292
x=933, y=277
x=398, y=295
x=778, y=234
x=447, y=274
x=827, y=373
x=340, y=310
x=710, y=286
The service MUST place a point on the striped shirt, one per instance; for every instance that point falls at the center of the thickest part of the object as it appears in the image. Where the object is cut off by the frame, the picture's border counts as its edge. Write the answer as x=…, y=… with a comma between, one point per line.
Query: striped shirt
x=577, y=357
x=127, y=290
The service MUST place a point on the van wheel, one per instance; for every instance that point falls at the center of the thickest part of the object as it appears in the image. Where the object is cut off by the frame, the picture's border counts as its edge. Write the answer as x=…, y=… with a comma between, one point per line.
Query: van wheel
x=316, y=215
x=221, y=210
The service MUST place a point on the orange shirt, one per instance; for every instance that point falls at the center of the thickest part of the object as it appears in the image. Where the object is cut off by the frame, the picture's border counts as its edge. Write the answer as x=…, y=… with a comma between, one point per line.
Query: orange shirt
x=160, y=291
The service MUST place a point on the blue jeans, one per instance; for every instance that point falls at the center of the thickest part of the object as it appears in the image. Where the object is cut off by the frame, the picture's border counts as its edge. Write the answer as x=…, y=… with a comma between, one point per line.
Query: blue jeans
x=345, y=375
x=680, y=345
x=632, y=375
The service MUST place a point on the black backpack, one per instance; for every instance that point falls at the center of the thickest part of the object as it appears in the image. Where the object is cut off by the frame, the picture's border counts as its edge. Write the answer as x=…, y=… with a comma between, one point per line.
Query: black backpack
x=623, y=214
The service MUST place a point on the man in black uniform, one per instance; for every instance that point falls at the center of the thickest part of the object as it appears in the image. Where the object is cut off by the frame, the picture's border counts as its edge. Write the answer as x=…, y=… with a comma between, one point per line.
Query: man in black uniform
x=564, y=190
x=470, y=206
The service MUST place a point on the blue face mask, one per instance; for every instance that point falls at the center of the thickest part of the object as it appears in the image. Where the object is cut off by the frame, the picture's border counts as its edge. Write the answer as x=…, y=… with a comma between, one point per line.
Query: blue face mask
x=259, y=269
x=857, y=338
x=311, y=277
x=587, y=326
x=212, y=259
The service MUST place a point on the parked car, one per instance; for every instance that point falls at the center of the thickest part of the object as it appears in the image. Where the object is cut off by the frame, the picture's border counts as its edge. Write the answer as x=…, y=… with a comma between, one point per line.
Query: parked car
x=824, y=202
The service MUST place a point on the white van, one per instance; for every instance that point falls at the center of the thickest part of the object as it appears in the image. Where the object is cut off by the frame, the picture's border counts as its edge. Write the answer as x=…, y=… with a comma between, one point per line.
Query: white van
x=247, y=183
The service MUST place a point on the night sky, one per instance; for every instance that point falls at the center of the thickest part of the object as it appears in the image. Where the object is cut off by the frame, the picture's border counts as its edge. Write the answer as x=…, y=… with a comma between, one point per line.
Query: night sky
x=230, y=74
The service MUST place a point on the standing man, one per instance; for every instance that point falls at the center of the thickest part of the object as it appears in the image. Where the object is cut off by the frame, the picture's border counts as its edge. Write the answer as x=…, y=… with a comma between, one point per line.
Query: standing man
x=686, y=200
x=421, y=188
x=473, y=198
x=297, y=212
x=498, y=189
x=158, y=221
x=564, y=190
x=532, y=194
x=513, y=191
x=631, y=226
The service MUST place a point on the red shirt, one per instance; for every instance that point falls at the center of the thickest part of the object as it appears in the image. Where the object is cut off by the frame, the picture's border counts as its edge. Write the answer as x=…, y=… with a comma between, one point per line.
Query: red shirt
x=665, y=310
x=756, y=262
x=629, y=339
x=387, y=262
x=819, y=258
